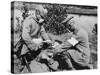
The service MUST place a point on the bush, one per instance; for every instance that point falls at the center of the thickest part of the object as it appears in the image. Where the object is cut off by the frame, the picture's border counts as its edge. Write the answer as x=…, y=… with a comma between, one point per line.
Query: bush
x=56, y=14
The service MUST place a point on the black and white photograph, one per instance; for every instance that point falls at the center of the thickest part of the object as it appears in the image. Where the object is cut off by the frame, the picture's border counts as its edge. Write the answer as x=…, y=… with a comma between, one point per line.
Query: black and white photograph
x=52, y=37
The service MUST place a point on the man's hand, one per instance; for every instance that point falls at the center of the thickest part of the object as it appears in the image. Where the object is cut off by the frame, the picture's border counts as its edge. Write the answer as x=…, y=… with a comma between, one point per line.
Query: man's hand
x=61, y=47
x=58, y=46
x=47, y=41
x=44, y=55
x=66, y=45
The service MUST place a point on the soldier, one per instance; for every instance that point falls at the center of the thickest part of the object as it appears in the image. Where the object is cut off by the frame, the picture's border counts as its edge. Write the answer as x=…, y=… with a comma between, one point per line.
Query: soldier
x=75, y=49
x=34, y=34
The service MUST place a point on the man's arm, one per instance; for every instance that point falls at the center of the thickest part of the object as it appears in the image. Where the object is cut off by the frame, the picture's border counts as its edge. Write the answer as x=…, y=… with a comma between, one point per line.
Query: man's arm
x=44, y=35
x=26, y=30
x=83, y=43
x=66, y=45
x=26, y=35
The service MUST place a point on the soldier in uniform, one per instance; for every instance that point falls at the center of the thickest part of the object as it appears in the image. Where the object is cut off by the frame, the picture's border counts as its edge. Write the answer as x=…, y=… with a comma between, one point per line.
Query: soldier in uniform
x=75, y=50
x=34, y=34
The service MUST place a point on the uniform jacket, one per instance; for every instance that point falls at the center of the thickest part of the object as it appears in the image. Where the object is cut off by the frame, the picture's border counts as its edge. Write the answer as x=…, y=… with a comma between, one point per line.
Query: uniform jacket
x=32, y=30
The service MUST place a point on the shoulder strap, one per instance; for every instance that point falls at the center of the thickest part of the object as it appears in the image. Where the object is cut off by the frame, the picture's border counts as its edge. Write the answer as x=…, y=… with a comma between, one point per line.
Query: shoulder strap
x=35, y=20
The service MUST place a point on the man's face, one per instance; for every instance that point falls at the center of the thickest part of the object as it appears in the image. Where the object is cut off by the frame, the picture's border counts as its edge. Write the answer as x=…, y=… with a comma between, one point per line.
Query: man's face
x=37, y=13
x=30, y=12
x=39, y=17
x=72, y=25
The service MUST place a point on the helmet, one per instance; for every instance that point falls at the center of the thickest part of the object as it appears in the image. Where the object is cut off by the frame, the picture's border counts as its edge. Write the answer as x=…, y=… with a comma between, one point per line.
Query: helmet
x=37, y=7
x=42, y=10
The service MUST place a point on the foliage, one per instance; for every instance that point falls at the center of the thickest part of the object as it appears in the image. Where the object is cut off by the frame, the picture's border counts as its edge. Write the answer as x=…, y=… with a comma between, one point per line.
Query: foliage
x=56, y=14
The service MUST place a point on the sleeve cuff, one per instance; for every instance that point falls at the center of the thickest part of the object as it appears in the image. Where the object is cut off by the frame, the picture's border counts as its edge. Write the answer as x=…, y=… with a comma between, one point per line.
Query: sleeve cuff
x=73, y=41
